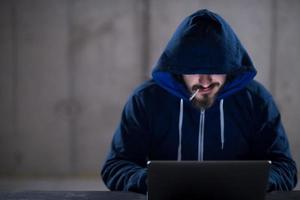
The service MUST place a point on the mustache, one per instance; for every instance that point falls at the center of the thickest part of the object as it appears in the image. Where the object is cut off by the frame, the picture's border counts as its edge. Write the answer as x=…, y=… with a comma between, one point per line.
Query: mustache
x=200, y=87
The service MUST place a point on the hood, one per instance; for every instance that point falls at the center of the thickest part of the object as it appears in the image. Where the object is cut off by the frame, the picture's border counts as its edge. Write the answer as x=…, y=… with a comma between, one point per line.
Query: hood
x=203, y=44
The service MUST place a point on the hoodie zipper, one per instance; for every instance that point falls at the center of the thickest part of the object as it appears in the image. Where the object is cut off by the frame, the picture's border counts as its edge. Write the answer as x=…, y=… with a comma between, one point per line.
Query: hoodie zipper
x=201, y=135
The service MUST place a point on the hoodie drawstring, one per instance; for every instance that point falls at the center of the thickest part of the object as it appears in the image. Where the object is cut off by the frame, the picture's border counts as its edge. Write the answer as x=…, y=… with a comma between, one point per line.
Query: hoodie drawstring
x=201, y=130
x=201, y=135
x=222, y=123
x=180, y=129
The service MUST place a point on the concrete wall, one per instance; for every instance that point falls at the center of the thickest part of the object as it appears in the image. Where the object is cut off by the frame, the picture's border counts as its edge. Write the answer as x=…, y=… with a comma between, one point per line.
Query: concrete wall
x=287, y=69
x=68, y=66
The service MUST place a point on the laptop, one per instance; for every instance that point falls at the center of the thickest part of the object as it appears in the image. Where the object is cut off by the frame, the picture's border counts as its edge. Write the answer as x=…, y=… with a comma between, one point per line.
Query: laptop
x=207, y=180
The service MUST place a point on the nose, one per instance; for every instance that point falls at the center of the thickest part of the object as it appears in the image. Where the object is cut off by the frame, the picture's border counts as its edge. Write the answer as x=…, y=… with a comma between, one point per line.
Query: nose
x=204, y=79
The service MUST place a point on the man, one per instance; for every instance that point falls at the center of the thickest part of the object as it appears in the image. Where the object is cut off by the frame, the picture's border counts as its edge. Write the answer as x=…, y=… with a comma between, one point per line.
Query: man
x=201, y=104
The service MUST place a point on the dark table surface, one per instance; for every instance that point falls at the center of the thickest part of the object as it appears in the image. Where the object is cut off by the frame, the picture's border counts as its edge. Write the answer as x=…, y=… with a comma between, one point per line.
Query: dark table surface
x=106, y=195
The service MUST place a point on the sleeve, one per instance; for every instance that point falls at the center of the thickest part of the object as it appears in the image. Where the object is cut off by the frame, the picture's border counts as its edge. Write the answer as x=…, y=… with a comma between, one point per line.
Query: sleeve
x=271, y=143
x=125, y=166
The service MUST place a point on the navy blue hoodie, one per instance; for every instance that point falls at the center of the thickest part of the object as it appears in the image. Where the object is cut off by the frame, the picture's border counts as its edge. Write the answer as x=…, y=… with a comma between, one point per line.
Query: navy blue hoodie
x=159, y=122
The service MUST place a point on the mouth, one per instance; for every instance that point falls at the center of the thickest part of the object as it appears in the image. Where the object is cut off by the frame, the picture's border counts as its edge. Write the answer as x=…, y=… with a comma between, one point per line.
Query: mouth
x=203, y=89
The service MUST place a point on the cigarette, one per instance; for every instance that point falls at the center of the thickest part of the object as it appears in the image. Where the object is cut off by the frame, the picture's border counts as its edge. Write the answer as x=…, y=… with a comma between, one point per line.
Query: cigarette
x=191, y=98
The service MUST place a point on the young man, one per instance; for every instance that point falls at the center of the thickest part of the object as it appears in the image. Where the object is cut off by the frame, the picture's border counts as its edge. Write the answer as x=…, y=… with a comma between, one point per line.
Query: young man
x=201, y=104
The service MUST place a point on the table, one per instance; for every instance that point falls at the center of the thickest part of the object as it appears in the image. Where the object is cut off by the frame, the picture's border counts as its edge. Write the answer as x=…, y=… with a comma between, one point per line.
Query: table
x=107, y=195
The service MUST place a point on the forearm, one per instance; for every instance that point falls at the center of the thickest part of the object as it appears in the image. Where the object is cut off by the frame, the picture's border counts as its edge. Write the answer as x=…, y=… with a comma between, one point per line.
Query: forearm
x=282, y=175
x=124, y=175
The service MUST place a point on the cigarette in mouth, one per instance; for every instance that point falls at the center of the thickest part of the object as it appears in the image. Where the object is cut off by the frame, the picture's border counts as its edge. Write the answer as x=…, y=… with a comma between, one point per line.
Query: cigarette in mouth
x=191, y=98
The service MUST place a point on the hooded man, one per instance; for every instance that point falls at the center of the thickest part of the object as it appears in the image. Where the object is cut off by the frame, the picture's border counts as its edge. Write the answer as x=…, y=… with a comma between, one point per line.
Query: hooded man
x=201, y=104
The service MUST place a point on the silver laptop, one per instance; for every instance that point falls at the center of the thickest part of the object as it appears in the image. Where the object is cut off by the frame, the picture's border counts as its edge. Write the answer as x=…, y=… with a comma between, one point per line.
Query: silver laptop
x=207, y=180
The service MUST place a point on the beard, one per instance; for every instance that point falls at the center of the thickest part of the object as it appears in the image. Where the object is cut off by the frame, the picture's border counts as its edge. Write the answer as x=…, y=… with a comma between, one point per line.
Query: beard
x=205, y=102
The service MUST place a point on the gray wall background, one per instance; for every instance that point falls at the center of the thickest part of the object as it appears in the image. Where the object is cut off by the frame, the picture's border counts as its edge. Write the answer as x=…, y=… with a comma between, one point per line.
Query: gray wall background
x=68, y=66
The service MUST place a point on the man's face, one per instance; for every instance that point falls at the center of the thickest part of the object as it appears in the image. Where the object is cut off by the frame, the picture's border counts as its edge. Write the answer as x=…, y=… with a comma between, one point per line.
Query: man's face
x=208, y=84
